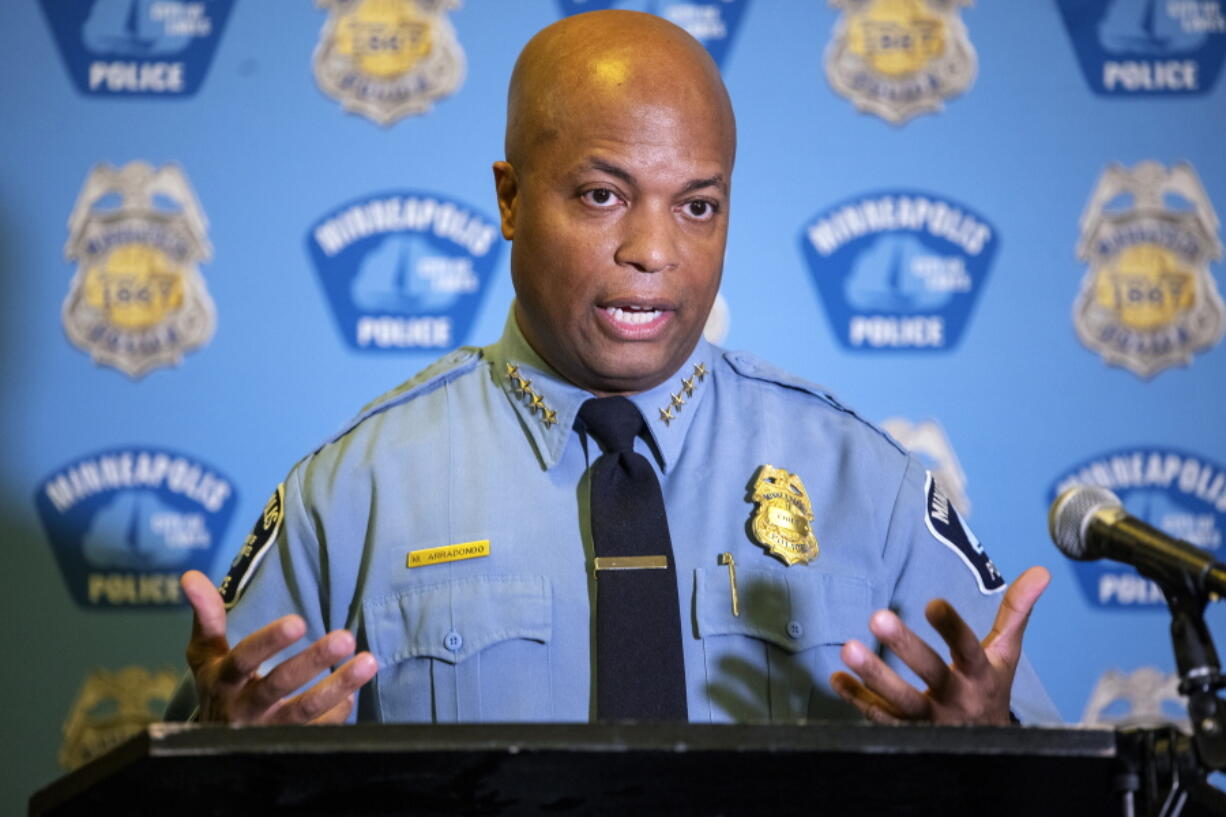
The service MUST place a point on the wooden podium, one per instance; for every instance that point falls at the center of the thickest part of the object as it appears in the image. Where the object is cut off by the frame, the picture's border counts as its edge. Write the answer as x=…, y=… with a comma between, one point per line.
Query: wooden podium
x=637, y=770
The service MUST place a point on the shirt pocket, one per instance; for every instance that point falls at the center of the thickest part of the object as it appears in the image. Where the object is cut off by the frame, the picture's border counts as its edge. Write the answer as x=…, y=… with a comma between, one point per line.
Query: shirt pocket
x=474, y=649
x=772, y=662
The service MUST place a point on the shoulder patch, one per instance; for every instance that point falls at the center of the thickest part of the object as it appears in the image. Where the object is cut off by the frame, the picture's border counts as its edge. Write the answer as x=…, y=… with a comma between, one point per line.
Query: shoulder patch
x=253, y=550
x=439, y=373
x=947, y=527
x=753, y=367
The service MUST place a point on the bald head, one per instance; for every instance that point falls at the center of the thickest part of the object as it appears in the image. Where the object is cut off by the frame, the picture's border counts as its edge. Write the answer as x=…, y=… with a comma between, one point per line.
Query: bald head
x=615, y=196
x=611, y=64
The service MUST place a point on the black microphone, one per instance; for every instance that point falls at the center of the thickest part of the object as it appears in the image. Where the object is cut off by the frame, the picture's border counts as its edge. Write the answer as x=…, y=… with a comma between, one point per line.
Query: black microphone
x=1087, y=523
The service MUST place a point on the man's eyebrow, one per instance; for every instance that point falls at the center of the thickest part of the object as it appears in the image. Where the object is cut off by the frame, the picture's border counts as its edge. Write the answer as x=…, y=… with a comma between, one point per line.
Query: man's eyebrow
x=716, y=181
x=612, y=170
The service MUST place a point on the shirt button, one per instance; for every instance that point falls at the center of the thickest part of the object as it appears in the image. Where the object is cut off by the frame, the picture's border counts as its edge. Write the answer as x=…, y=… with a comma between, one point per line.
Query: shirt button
x=453, y=641
x=795, y=629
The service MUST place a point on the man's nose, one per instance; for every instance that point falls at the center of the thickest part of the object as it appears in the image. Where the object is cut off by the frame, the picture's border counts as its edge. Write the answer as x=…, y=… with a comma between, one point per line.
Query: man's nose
x=648, y=241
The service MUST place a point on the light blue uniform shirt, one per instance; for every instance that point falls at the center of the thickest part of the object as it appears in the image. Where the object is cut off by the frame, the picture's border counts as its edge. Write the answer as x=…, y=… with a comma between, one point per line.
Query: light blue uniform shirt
x=461, y=454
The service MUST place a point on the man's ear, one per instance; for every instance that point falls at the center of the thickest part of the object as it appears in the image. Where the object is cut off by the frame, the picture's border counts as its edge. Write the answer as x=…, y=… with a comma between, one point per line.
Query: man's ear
x=507, y=186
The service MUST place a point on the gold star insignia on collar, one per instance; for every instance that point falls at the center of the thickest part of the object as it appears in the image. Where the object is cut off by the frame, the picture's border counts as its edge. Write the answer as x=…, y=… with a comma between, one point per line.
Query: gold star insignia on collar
x=688, y=388
x=522, y=387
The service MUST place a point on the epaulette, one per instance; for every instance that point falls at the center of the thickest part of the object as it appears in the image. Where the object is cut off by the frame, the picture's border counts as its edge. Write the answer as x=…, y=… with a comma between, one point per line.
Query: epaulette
x=437, y=374
x=753, y=367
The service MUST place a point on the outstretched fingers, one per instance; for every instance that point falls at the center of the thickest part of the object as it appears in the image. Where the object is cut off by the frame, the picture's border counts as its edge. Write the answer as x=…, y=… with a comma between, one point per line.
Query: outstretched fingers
x=964, y=648
x=299, y=669
x=910, y=649
x=899, y=697
x=1004, y=642
x=326, y=701
x=974, y=688
x=228, y=681
x=337, y=714
x=208, y=638
x=248, y=655
x=872, y=706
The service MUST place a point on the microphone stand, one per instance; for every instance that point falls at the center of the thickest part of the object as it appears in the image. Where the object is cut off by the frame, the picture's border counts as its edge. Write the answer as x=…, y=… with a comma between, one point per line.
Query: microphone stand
x=1200, y=674
x=1177, y=765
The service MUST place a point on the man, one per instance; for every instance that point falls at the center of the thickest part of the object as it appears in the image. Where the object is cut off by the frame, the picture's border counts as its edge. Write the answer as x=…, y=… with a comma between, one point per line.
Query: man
x=454, y=531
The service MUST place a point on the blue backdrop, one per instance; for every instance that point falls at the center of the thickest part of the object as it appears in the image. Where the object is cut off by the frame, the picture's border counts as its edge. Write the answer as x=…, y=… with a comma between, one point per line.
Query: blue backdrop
x=226, y=224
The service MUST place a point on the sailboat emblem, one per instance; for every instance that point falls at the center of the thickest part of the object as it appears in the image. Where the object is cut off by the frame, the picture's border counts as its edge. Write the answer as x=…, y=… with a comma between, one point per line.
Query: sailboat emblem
x=404, y=270
x=1147, y=47
x=899, y=269
x=144, y=48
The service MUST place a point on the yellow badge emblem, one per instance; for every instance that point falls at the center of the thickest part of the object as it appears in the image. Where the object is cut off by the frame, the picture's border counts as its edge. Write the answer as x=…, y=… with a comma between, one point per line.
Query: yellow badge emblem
x=387, y=59
x=782, y=522
x=137, y=300
x=1149, y=300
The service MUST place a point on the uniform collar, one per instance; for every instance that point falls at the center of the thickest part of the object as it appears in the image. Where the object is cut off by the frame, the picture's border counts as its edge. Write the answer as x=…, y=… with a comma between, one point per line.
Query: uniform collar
x=547, y=405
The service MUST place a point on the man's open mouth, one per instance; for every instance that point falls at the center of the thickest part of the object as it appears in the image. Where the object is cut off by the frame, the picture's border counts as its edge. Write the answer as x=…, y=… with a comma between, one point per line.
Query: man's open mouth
x=634, y=315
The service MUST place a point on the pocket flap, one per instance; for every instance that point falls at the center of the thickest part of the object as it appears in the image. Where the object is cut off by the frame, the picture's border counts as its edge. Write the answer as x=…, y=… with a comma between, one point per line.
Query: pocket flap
x=794, y=610
x=454, y=620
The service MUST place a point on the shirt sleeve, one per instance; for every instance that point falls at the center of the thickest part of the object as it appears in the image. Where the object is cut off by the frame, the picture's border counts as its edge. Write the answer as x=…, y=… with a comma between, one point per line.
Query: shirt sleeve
x=940, y=557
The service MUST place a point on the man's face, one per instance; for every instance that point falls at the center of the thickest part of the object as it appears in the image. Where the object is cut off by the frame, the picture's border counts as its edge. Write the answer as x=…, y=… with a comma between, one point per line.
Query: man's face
x=619, y=224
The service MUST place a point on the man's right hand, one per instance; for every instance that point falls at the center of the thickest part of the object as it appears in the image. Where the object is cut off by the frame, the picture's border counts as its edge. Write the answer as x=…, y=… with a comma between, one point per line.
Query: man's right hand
x=229, y=687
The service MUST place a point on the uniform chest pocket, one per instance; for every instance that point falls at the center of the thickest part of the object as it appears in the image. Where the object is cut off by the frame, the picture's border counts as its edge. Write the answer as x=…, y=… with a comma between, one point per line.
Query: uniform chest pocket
x=475, y=649
x=772, y=662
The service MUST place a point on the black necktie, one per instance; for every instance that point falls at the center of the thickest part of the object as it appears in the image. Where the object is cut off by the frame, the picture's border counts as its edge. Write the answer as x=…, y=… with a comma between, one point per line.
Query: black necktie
x=640, y=673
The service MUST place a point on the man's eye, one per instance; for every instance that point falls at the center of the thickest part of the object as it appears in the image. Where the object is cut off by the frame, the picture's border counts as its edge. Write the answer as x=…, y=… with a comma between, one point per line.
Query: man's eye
x=601, y=197
x=701, y=209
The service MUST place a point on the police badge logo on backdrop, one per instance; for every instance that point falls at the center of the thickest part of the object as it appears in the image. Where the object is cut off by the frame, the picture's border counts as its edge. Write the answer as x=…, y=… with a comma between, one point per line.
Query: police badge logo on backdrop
x=712, y=22
x=125, y=523
x=1148, y=300
x=1145, y=698
x=900, y=58
x=137, y=48
x=112, y=707
x=137, y=300
x=1147, y=47
x=388, y=59
x=404, y=270
x=1180, y=493
x=927, y=440
x=899, y=270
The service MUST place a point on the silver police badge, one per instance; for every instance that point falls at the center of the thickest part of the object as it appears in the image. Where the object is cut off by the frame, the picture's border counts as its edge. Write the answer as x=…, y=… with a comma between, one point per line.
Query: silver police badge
x=1148, y=300
x=1146, y=697
x=137, y=301
x=387, y=59
x=900, y=58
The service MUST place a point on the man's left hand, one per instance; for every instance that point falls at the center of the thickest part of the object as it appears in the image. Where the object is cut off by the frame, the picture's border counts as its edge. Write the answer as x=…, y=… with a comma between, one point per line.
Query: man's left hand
x=974, y=689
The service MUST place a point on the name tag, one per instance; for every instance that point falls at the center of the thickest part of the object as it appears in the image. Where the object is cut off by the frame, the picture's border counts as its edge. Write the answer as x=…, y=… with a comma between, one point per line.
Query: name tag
x=448, y=553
